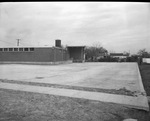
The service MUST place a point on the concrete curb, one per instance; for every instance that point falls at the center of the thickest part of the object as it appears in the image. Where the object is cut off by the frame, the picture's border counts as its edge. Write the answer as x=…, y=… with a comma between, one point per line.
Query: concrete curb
x=37, y=63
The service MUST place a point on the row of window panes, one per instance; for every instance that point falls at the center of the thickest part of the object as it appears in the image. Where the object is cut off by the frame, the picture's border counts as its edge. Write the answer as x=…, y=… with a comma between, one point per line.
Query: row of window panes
x=16, y=49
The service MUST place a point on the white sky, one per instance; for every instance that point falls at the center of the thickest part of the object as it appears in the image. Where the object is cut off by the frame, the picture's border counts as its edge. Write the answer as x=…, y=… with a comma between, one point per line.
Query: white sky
x=117, y=26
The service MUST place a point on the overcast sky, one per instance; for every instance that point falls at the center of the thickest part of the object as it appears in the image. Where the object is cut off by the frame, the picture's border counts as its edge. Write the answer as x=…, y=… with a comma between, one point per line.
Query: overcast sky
x=117, y=26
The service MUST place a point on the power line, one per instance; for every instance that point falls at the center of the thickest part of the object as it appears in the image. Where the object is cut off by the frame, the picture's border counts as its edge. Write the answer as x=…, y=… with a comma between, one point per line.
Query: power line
x=22, y=43
x=6, y=42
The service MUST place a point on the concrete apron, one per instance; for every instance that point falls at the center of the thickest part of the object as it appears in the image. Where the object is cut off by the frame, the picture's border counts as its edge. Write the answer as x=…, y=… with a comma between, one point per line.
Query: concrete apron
x=139, y=102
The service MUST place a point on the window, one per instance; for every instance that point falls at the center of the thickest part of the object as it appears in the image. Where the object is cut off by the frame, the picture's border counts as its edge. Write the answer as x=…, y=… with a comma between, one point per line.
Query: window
x=15, y=49
x=10, y=49
x=26, y=49
x=20, y=49
x=31, y=49
x=1, y=49
x=5, y=49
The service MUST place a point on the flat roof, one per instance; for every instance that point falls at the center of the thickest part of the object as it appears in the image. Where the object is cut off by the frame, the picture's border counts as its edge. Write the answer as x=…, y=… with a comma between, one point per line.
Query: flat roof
x=75, y=46
x=25, y=47
x=32, y=47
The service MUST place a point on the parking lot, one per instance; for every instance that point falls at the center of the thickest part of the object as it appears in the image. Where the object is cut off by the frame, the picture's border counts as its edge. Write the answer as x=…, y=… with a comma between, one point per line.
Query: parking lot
x=93, y=75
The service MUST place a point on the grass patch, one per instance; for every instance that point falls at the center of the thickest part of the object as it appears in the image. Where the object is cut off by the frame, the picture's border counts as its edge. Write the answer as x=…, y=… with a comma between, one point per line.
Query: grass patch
x=28, y=106
x=145, y=74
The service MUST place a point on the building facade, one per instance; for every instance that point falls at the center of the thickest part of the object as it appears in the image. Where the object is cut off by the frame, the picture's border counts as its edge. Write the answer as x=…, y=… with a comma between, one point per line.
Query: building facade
x=47, y=55
x=119, y=55
x=33, y=54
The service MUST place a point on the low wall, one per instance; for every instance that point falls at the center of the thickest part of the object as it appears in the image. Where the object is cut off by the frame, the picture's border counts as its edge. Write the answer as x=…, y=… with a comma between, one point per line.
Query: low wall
x=146, y=60
x=37, y=63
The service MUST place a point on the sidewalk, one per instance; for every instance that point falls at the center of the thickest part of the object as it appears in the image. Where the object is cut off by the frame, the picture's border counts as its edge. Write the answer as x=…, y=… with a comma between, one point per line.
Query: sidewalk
x=139, y=102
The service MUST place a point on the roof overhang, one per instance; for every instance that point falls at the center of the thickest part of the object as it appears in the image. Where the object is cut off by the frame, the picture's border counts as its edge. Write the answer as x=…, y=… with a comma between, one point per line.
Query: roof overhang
x=75, y=46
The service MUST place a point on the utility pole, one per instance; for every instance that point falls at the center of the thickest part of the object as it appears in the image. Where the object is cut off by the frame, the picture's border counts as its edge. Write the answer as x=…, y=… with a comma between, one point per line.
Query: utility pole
x=18, y=42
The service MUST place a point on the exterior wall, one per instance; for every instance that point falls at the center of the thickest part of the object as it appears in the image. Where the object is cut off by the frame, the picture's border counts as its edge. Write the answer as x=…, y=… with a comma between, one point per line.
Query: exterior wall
x=65, y=55
x=82, y=54
x=41, y=54
x=59, y=55
x=38, y=55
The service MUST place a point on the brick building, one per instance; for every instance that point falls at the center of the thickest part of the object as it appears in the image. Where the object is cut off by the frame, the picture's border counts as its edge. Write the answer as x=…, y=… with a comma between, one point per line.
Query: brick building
x=41, y=55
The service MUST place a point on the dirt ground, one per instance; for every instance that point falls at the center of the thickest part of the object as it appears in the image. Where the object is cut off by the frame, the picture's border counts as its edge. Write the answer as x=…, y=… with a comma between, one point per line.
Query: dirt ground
x=27, y=106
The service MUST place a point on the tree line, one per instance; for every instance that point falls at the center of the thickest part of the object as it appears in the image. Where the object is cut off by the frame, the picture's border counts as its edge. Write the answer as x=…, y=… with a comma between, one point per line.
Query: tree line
x=98, y=53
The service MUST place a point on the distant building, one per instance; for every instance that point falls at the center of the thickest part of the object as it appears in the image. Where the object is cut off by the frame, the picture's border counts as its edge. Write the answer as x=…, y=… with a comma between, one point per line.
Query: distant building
x=146, y=60
x=42, y=55
x=102, y=55
x=119, y=55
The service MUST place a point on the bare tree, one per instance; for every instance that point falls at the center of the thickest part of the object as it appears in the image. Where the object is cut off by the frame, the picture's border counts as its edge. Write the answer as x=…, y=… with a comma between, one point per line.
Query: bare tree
x=95, y=50
x=143, y=53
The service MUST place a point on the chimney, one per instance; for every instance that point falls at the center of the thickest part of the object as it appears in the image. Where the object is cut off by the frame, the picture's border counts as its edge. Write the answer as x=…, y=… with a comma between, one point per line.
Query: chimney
x=57, y=43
